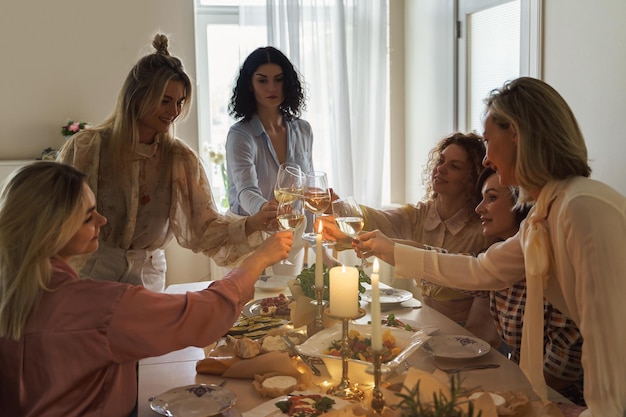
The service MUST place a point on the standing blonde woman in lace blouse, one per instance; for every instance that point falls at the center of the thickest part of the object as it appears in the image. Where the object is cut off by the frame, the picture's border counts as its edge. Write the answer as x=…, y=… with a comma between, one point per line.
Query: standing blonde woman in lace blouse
x=149, y=184
x=570, y=249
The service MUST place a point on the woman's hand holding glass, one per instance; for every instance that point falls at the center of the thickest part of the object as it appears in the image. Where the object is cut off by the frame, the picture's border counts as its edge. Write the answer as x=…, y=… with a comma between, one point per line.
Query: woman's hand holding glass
x=349, y=219
x=375, y=243
x=290, y=215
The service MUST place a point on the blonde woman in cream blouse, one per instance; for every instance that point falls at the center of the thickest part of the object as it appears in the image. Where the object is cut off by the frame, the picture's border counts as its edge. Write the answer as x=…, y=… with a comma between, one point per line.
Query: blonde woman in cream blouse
x=570, y=249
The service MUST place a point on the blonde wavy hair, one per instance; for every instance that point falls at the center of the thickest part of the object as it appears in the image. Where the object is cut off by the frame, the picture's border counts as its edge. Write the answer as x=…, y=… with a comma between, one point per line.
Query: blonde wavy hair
x=141, y=96
x=550, y=144
x=41, y=208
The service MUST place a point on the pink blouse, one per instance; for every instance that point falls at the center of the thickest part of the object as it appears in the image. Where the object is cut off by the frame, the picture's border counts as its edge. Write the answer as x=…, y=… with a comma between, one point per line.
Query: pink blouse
x=81, y=344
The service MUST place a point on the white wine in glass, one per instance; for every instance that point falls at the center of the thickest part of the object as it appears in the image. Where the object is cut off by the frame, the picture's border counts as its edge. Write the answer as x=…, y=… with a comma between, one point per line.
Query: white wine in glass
x=349, y=219
x=316, y=192
x=351, y=226
x=290, y=216
x=289, y=183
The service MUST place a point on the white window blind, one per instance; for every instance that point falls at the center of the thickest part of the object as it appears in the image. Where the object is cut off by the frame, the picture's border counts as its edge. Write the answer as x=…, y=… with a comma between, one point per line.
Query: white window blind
x=493, y=55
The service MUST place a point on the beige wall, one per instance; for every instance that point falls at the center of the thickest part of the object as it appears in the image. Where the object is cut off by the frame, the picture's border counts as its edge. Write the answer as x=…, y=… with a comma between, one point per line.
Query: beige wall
x=585, y=60
x=68, y=59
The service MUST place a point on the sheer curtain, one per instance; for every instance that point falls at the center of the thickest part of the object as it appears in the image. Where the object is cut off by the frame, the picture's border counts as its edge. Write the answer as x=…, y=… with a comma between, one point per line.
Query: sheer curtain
x=340, y=48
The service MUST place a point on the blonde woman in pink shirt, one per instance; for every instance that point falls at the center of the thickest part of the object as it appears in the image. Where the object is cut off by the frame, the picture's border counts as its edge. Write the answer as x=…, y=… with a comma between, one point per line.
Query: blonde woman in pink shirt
x=70, y=346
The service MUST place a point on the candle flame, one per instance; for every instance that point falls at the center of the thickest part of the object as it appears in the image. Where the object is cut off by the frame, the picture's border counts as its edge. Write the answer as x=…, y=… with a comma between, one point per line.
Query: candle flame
x=375, y=267
x=320, y=227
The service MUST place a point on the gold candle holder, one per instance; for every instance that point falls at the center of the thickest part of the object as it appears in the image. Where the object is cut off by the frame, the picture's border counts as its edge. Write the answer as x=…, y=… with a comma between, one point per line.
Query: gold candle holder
x=378, y=400
x=319, y=302
x=345, y=389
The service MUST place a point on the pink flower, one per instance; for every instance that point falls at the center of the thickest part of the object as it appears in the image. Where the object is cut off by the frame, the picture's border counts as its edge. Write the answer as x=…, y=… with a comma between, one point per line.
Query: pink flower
x=74, y=127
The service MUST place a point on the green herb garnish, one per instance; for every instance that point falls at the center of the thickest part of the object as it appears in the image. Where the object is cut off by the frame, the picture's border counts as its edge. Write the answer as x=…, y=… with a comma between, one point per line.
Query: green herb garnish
x=441, y=406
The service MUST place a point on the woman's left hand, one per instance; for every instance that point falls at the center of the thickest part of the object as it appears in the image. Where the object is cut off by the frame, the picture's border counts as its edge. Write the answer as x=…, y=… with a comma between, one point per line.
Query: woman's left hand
x=265, y=219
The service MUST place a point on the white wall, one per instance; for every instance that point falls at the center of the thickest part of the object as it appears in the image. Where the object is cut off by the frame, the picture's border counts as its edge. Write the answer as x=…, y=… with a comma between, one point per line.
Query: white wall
x=68, y=59
x=585, y=60
x=429, y=78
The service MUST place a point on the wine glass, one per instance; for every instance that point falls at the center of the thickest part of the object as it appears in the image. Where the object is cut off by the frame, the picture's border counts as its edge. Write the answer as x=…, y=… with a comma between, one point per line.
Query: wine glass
x=349, y=219
x=316, y=196
x=290, y=215
x=289, y=182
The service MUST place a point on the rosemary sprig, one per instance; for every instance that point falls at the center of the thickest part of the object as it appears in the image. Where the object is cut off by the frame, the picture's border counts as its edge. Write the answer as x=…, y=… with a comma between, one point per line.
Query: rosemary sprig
x=441, y=406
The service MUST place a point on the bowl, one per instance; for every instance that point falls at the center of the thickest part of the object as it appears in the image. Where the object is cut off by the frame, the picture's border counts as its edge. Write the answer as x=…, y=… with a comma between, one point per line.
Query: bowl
x=315, y=346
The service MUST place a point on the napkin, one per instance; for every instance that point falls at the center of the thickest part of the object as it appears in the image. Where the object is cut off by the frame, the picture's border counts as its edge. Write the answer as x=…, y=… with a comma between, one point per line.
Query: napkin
x=303, y=309
x=233, y=367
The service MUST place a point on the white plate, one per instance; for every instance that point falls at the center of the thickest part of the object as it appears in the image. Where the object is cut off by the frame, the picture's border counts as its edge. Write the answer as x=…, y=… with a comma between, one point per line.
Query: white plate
x=311, y=238
x=272, y=283
x=200, y=400
x=456, y=347
x=388, y=296
x=269, y=408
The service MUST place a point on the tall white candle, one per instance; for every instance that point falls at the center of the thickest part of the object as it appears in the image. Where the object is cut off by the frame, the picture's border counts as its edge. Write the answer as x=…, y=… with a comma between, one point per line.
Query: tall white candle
x=344, y=291
x=319, y=262
x=377, y=338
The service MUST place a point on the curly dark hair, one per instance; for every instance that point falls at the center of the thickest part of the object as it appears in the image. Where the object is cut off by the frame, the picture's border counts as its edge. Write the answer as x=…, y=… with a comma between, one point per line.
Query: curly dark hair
x=474, y=145
x=242, y=102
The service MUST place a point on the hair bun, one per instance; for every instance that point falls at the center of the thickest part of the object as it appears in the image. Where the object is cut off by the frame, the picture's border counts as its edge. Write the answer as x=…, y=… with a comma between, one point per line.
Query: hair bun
x=160, y=43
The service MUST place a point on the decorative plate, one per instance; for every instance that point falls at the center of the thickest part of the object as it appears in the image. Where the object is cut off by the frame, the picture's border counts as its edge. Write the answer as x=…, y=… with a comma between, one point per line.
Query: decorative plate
x=272, y=283
x=269, y=408
x=388, y=296
x=456, y=347
x=200, y=400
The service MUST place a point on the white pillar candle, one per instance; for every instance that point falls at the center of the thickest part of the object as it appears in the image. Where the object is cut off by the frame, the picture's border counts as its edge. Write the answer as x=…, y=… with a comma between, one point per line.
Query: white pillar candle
x=344, y=291
x=377, y=338
x=319, y=262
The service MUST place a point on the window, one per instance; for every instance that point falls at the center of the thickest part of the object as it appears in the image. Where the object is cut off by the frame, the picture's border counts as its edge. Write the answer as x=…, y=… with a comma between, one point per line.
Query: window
x=499, y=41
x=222, y=44
x=340, y=48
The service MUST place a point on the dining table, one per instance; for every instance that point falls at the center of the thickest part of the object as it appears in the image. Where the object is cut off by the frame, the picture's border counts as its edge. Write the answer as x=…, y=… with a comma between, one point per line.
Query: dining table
x=175, y=369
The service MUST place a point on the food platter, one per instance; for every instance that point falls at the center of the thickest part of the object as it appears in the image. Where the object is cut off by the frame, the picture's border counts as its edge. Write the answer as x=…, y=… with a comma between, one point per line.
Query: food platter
x=408, y=325
x=388, y=296
x=456, y=347
x=255, y=307
x=199, y=400
x=269, y=409
x=255, y=327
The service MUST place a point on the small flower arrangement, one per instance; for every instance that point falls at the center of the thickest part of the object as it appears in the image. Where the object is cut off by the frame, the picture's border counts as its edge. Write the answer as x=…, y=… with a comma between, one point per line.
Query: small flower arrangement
x=72, y=127
x=217, y=157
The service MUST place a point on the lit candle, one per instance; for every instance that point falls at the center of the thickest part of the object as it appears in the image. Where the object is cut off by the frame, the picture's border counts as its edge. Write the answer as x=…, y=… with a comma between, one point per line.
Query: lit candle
x=344, y=291
x=319, y=263
x=377, y=338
